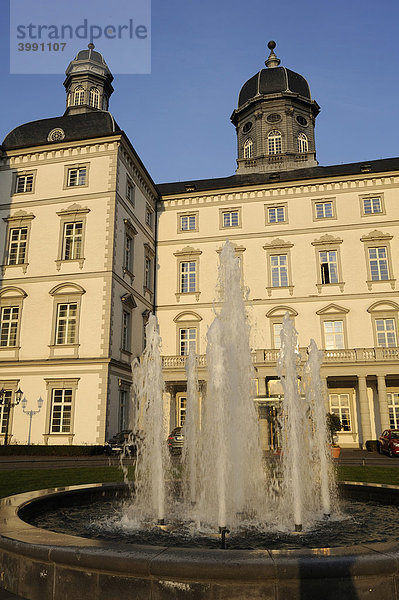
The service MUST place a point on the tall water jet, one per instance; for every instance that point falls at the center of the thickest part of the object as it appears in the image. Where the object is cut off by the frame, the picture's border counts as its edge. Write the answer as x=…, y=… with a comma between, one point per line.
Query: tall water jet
x=315, y=394
x=293, y=423
x=232, y=476
x=153, y=460
x=191, y=430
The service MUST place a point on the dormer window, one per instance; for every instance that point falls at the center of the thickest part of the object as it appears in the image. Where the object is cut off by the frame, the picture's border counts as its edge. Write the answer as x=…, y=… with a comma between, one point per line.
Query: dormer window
x=303, y=145
x=94, y=97
x=79, y=96
x=248, y=148
x=274, y=142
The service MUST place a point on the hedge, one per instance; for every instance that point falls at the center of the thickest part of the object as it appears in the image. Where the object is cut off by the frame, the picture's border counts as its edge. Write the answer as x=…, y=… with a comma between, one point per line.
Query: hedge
x=36, y=450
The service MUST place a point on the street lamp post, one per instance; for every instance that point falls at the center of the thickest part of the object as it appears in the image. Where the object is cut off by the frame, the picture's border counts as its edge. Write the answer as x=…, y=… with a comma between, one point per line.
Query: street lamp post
x=8, y=403
x=31, y=413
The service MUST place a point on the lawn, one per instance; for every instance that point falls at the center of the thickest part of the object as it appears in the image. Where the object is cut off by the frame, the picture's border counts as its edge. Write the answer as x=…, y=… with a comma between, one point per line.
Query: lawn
x=15, y=482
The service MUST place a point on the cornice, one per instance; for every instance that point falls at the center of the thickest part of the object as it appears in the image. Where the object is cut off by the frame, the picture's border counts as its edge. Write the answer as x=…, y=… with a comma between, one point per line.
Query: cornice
x=34, y=156
x=135, y=171
x=275, y=191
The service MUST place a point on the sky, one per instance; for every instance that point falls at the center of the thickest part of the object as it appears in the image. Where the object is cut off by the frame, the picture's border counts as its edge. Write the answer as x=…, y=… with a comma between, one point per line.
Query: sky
x=202, y=52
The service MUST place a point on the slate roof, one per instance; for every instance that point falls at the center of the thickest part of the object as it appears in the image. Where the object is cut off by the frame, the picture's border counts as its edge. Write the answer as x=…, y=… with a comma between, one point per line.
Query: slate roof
x=301, y=175
x=76, y=127
x=274, y=81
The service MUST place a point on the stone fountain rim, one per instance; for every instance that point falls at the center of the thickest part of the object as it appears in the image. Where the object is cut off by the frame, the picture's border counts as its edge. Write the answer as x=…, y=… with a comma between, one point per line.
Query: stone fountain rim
x=188, y=564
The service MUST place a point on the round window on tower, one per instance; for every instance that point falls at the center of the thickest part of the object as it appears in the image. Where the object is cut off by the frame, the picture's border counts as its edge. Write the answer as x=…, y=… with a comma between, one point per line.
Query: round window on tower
x=273, y=118
x=247, y=127
x=302, y=121
x=56, y=135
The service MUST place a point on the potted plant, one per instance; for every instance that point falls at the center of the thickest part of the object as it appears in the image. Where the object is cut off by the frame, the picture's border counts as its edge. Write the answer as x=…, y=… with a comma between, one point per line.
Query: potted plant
x=333, y=425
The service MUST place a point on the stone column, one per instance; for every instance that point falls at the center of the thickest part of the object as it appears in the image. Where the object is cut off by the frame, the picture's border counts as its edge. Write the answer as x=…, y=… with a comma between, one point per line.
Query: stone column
x=364, y=410
x=383, y=402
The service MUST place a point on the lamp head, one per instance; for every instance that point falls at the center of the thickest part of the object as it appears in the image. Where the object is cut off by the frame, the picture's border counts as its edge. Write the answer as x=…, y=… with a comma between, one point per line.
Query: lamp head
x=18, y=395
x=24, y=402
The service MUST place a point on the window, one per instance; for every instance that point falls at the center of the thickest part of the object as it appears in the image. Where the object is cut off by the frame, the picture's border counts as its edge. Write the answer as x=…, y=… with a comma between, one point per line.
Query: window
x=148, y=216
x=277, y=327
x=188, y=276
x=5, y=412
x=372, y=206
x=188, y=222
x=329, y=266
x=24, y=183
x=77, y=177
x=126, y=331
x=386, y=333
x=18, y=240
x=66, y=323
x=274, y=143
x=230, y=218
x=9, y=326
x=378, y=261
x=393, y=406
x=147, y=272
x=188, y=339
x=61, y=411
x=333, y=335
x=79, y=96
x=128, y=253
x=276, y=214
x=340, y=405
x=324, y=210
x=130, y=191
x=248, y=148
x=94, y=97
x=181, y=410
x=123, y=410
x=303, y=145
x=279, y=270
x=72, y=242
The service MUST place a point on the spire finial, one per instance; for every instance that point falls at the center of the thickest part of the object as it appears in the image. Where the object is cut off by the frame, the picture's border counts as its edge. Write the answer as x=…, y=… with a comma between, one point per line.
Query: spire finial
x=272, y=61
x=91, y=46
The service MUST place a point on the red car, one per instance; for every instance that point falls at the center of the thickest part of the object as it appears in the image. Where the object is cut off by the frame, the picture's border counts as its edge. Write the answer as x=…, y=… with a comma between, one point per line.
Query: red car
x=389, y=442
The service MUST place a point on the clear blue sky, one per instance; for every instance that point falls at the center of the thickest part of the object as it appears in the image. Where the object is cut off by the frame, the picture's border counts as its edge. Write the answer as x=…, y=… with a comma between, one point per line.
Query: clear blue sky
x=178, y=117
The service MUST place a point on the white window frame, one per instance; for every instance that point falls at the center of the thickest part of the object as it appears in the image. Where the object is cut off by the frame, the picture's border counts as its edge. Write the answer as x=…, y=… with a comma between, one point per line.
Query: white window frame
x=369, y=203
x=274, y=142
x=320, y=210
x=60, y=384
x=248, y=149
x=327, y=243
x=188, y=276
x=123, y=409
x=187, y=222
x=149, y=216
x=94, y=97
x=378, y=240
x=278, y=248
x=329, y=272
x=24, y=183
x=70, y=216
x=187, y=339
x=130, y=191
x=77, y=177
x=377, y=262
x=386, y=337
x=393, y=408
x=9, y=326
x=303, y=143
x=126, y=328
x=79, y=96
x=66, y=325
x=279, y=270
x=72, y=243
x=19, y=244
x=181, y=407
x=276, y=213
x=64, y=410
x=335, y=338
x=340, y=408
x=230, y=218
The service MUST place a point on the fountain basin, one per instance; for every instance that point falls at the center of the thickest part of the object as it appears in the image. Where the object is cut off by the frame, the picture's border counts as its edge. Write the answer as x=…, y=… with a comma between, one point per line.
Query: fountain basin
x=40, y=564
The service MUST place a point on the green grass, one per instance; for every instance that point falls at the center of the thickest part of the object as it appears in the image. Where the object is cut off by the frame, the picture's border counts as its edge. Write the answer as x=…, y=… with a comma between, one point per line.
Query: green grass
x=15, y=482
x=388, y=475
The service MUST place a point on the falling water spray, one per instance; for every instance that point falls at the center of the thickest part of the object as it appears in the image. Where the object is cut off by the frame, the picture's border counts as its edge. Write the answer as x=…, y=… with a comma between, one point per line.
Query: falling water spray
x=191, y=429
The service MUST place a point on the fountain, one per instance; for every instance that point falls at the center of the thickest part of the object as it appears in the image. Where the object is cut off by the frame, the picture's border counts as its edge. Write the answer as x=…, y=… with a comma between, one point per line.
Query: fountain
x=269, y=506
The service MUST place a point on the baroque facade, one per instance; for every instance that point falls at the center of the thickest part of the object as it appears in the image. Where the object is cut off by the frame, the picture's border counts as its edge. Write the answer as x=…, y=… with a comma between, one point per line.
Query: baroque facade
x=91, y=245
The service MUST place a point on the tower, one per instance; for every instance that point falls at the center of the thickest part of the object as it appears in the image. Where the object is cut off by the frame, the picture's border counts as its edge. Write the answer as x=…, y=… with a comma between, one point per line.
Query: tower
x=88, y=82
x=275, y=120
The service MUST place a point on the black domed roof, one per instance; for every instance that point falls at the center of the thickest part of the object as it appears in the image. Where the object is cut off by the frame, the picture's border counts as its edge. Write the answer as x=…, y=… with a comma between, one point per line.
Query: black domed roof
x=73, y=127
x=274, y=81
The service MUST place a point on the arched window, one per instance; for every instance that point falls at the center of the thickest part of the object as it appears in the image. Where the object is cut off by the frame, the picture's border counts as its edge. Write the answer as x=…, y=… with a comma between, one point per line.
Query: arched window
x=248, y=148
x=274, y=145
x=94, y=97
x=79, y=96
x=303, y=145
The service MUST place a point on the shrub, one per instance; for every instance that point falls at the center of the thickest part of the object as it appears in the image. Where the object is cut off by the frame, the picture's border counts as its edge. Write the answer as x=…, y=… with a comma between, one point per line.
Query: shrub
x=36, y=450
x=371, y=445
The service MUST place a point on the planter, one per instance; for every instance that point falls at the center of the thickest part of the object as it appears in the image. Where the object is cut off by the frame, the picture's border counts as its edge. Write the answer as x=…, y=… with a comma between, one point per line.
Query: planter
x=335, y=451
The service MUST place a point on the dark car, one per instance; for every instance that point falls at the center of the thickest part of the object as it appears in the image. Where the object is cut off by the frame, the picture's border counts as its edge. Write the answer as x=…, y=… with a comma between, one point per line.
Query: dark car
x=120, y=443
x=176, y=440
x=388, y=442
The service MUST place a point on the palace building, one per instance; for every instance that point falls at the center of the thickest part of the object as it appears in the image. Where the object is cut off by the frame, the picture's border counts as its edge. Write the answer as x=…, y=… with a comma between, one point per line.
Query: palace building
x=91, y=245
